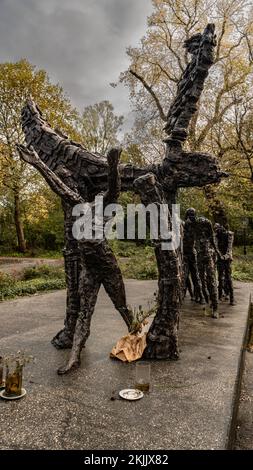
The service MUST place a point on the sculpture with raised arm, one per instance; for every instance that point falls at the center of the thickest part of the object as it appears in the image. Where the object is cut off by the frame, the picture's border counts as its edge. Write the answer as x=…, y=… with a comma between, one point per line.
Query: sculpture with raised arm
x=98, y=264
x=87, y=174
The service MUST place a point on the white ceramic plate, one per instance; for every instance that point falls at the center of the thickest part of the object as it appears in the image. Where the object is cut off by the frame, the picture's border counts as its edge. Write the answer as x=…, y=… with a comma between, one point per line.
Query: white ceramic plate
x=23, y=393
x=131, y=394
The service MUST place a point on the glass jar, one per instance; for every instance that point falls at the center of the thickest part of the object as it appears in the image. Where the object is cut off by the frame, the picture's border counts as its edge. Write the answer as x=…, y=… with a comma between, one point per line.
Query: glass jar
x=13, y=381
x=142, y=379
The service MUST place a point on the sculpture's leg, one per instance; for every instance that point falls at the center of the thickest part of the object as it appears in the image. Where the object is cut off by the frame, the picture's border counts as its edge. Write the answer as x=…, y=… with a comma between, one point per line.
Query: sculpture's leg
x=221, y=280
x=114, y=284
x=203, y=277
x=89, y=285
x=212, y=285
x=162, y=338
x=229, y=282
x=190, y=287
x=99, y=265
x=64, y=338
x=193, y=267
x=186, y=272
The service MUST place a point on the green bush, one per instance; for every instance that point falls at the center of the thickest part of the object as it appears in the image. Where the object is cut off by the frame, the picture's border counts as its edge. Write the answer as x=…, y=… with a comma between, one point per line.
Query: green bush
x=5, y=280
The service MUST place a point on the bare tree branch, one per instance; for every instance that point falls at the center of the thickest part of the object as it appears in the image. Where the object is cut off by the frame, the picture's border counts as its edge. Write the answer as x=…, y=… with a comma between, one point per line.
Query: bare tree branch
x=152, y=93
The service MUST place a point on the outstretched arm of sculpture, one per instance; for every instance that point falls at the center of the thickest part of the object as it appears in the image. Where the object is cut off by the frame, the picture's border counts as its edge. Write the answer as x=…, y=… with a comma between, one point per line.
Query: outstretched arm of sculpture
x=55, y=149
x=91, y=170
x=216, y=244
x=212, y=239
x=30, y=156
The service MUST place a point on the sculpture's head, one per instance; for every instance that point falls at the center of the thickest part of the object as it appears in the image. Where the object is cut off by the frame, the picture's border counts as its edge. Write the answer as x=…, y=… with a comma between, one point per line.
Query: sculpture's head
x=191, y=214
x=208, y=37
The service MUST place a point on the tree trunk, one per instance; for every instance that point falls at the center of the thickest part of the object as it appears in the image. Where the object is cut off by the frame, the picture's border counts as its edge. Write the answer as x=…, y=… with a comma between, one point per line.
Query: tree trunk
x=18, y=224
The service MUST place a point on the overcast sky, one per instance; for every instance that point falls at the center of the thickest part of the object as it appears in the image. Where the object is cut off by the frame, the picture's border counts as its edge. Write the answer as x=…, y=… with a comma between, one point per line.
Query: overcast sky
x=80, y=43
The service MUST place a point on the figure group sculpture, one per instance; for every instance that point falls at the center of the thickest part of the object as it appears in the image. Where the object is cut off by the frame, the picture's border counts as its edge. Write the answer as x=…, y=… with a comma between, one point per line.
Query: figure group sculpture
x=78, y=176
x=206, y=249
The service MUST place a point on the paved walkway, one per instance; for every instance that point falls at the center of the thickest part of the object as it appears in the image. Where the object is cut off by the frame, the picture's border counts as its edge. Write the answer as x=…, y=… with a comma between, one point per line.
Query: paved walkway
x=244, y=435
x=190, y=403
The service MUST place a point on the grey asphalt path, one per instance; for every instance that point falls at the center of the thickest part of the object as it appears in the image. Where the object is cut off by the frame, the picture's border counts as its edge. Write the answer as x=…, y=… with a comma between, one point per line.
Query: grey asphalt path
x=190, y=403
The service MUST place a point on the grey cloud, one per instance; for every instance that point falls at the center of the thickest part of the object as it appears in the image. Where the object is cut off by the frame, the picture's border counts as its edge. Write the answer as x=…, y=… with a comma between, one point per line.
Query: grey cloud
x=81, y=43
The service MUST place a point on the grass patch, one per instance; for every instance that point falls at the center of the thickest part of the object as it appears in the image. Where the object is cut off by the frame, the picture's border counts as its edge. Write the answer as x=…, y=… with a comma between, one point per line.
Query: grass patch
x=139, y=268
x=36, y=279
x=43, y=271
x=21, y=288
x=136, y=261
x=243, y=264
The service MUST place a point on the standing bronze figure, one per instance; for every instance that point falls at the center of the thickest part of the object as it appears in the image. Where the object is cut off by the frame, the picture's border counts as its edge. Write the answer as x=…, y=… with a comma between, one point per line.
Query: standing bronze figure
x=202, y=232
x=224, y=242
x=98, y=264
x=191, y=271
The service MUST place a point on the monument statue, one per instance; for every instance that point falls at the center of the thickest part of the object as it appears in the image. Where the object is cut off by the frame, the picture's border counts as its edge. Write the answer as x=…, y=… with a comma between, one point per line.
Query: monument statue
x=87, y=174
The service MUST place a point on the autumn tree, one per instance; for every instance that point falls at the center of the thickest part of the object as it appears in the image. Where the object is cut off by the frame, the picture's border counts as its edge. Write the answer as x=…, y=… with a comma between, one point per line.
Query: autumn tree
x=157, y=64
x=99, y=127
x=17, y=82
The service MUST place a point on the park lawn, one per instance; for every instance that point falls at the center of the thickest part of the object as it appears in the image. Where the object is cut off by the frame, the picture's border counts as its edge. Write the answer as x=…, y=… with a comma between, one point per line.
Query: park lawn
x=136, y=262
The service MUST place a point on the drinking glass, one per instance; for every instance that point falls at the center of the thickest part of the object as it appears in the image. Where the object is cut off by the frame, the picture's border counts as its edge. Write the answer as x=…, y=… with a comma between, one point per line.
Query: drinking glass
x=142, y=378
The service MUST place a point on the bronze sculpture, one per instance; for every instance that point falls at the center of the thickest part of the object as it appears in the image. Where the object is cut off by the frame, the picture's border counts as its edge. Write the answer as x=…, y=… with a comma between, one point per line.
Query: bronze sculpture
x=98, y=264
x=88, y=173
x=202, y=232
